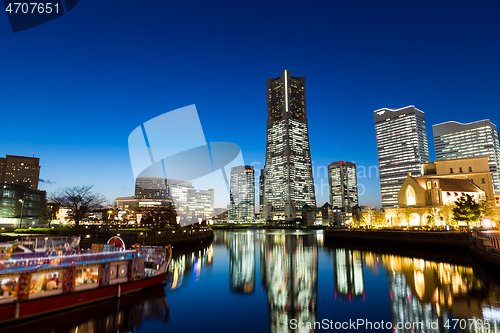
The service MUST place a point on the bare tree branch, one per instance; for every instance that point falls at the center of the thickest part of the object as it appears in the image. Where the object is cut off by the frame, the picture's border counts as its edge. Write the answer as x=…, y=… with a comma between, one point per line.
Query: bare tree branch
x=80, y=199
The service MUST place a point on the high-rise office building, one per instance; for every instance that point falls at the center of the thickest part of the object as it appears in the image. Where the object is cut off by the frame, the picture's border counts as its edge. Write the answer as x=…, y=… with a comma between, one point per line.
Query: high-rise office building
x=402, y=148
x=261, y=192
x=242, y=193
x=455, y=140
x=343, y=186
x=288, y=170
x=200, y=205
x=20, y=170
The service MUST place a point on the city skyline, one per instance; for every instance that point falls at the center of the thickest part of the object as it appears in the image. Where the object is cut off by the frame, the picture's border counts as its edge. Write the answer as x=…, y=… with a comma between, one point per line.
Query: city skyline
x=77, y=108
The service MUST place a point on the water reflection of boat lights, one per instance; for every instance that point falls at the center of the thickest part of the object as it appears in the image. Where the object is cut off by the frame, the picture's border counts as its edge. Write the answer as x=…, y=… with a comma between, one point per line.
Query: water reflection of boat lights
x=176, y=278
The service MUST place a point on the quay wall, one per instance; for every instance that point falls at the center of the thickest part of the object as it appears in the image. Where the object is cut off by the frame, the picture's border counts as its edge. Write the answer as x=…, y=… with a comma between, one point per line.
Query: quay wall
x=410, y=239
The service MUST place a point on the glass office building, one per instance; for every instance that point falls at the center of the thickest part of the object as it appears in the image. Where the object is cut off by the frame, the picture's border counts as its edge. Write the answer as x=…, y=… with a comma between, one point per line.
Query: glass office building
x=402, y=148
x=343, y=186
x=242, y=193
x=455, y=140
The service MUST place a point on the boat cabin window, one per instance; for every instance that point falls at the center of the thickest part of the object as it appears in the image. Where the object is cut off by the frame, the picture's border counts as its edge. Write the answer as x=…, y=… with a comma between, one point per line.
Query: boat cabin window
x=87, y=275
x=8, y=286
x=46, y=281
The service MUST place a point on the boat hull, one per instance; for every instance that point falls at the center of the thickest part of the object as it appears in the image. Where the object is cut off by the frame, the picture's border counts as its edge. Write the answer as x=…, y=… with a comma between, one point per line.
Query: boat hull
x=31, y=308
x=115, y=312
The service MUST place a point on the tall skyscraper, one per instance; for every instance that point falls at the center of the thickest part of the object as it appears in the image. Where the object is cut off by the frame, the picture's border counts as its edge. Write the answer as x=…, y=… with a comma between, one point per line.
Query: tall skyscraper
x=402, y=148
x=455, y=140
x=288, y=171
x=20, y=170
x=242, y=193
x=343, y=186
x=261, y=192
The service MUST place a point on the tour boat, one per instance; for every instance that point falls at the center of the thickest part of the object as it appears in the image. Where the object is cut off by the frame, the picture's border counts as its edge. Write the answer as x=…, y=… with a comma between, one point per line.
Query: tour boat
x=37, y=283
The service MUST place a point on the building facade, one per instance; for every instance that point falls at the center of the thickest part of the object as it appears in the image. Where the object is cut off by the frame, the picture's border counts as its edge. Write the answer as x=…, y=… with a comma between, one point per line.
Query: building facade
x=401, y=146
x=158, y=193
x=20, y=206
x=288, y=170
x=20, y=170
x=455, y=140
x=475, y=169
x=262, y=180
x=200, y=205
x=420, y=192
x=242, y=193
x=152, y=188
x=343, y=187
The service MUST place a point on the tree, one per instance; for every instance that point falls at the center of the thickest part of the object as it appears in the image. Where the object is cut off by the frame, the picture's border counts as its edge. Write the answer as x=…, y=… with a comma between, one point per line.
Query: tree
x=80, y=199
x=378, y=217
x=355, y=220
x=447, y=214
x=433, y=213
x=397, y=217
x=407, y=214
x=369, y=215
x=47, y=215
x=486, y=209
x=466, y=210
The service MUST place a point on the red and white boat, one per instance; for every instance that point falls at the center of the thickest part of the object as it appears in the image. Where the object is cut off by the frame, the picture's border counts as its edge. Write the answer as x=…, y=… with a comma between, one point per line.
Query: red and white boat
x=38, y=283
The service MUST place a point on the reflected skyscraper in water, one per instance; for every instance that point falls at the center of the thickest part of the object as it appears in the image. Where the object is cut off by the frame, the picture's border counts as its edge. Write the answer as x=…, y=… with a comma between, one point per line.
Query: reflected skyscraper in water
x=242, y=262
x=348, y=273
x=289, y=272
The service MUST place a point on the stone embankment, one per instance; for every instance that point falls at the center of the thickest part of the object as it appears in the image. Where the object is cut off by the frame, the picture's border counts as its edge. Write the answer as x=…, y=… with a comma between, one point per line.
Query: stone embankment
x=444, y=240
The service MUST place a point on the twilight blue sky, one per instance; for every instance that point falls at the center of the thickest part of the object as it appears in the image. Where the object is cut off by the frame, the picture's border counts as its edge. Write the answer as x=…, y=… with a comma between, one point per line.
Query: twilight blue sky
x=73, y=89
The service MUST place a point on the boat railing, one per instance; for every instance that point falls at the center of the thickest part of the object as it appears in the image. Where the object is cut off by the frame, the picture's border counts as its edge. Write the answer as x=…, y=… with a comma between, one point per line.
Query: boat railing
x=69, y=260
x=45, y=242
x=492, y=242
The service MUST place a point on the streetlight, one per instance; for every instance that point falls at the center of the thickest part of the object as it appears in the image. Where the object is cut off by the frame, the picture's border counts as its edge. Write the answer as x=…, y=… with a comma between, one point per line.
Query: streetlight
x=22, y=208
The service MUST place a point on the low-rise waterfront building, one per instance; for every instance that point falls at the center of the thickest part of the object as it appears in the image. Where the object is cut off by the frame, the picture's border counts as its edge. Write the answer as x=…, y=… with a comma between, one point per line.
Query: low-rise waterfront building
x=475, y=169
x=430, y=198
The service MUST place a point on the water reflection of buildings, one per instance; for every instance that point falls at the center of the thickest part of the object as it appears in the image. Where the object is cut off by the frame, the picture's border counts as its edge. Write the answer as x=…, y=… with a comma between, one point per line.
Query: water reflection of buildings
x=289, y=272
x=182, y=265
x=423, y=291
x=242, y=262
x=348, y=274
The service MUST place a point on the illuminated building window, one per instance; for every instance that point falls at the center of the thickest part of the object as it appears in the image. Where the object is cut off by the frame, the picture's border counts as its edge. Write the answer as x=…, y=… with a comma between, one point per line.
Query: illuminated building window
x=411, y=199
